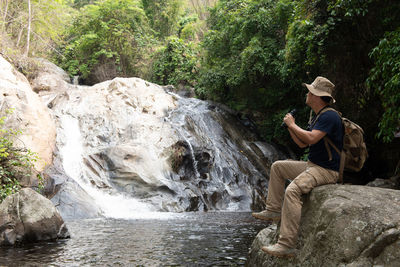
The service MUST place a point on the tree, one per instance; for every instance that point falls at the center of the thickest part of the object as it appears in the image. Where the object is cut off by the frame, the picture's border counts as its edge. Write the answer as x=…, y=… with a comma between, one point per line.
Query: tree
x=32, y=25
x=108, y=39
x=163, y=15
x=81, y=3
x=201, y=7
x=244, y=55
x=175, y=63
x=28, y=34
x=384, y=80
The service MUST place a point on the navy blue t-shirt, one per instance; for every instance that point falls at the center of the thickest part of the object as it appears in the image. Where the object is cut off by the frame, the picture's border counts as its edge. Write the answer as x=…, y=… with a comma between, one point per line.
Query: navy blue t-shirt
x=330, y=123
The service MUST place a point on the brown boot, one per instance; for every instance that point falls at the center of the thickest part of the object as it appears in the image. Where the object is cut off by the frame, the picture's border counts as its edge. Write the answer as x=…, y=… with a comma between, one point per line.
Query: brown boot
x=279, y=250
x=267, y=215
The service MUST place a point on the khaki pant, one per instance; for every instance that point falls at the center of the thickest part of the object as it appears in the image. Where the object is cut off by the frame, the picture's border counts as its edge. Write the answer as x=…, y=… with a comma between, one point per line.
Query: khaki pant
x=305, y=176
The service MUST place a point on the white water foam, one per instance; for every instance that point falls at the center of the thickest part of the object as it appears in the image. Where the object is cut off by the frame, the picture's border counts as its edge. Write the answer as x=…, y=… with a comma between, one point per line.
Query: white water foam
x=113, y=205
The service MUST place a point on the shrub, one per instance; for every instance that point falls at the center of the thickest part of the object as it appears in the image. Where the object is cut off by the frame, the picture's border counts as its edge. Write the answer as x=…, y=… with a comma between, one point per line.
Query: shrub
x=175, y=63
x=15, y=163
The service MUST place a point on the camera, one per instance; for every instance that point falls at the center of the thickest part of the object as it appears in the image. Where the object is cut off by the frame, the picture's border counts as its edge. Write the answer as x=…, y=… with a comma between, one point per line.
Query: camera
x=293, y=113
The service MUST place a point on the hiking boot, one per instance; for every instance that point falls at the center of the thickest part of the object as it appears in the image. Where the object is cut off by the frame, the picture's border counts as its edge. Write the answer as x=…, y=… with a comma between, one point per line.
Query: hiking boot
x=267, y=215
x=279, y=250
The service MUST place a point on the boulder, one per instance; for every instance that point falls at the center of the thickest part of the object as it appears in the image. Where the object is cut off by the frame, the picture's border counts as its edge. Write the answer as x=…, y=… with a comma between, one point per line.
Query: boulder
x=29, y=217
x=49, y=77
x=391, y=183
x=29, y=115
x=74, y=203
x=342, y=225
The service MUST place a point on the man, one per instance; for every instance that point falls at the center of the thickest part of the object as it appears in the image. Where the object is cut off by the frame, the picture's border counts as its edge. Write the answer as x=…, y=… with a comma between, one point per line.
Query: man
x=318, y=170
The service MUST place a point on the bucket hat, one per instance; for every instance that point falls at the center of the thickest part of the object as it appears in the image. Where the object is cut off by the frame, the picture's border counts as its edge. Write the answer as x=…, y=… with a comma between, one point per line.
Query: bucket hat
x=321, y=86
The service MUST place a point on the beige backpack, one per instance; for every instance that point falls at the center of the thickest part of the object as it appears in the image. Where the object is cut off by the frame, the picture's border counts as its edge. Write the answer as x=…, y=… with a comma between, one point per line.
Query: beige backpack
x=354, y=152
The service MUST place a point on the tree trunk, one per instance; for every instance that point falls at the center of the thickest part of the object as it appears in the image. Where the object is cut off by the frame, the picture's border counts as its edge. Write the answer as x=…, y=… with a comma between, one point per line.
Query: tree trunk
x=5, y=11
x=19, y=36
x=28, y=38
x=5, y=15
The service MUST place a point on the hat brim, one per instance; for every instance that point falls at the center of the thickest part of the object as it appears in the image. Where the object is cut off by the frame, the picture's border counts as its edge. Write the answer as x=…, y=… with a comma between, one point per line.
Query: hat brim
x=318, y=92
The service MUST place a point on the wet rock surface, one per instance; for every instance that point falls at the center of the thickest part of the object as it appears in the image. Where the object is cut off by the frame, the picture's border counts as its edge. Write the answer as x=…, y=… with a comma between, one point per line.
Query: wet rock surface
x=131, y=137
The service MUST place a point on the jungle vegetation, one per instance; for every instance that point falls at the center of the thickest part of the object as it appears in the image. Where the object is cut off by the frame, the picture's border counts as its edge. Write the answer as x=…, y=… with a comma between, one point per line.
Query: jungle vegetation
x=252, y=55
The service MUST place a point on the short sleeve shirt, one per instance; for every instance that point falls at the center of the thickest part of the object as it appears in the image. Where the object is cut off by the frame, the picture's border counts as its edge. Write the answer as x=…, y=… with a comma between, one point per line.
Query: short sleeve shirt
x=330, y=123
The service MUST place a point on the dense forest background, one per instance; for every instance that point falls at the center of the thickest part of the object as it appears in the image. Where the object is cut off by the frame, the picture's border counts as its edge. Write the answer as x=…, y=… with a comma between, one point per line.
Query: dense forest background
x=252, y=55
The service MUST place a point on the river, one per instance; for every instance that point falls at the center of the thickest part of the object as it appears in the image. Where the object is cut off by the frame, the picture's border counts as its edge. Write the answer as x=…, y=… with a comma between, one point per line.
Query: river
x=167, y=239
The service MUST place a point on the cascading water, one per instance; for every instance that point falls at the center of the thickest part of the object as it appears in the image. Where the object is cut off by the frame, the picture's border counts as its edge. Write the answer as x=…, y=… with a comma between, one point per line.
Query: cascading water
x=112, y=203
x=180, y=126
x=137, y=150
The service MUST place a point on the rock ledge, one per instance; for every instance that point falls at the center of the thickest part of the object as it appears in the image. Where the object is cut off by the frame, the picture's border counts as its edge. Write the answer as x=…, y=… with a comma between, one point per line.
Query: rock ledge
x=342, y=225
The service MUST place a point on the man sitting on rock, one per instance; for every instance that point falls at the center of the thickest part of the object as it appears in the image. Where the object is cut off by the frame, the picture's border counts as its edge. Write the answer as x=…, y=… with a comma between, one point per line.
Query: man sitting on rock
x=318, y=170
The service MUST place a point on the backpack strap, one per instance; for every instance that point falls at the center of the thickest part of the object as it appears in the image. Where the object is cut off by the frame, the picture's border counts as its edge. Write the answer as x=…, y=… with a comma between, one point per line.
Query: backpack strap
x=342, y=155
x=328, y=142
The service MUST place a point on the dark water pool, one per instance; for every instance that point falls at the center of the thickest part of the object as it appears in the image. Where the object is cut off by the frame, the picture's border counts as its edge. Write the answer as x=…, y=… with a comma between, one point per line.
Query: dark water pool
x=190, y=239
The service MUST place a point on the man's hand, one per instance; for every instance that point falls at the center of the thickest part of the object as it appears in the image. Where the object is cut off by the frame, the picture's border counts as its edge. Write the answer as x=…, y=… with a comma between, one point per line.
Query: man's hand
x=289, y=119
x=302, y=137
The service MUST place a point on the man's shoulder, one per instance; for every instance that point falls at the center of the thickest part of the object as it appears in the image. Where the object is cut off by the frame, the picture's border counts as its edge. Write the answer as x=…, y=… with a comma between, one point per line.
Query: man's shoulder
x=328, y=119
x=330, y=115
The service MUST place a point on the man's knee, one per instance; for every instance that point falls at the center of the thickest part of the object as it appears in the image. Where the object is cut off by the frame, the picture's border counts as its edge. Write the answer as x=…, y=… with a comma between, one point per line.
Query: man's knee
x=277, y=165
x=293, y=191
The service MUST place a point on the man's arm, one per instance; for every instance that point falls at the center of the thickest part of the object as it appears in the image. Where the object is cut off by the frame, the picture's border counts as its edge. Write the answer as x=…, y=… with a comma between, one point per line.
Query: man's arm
x=300, y=143
x=302, y=137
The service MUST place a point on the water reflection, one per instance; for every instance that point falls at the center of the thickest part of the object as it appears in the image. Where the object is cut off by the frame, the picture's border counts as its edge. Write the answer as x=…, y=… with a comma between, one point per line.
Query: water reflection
x=214, y=238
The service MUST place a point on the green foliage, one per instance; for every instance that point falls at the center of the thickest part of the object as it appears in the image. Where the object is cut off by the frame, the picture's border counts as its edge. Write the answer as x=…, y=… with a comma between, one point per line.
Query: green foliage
x=244, y=55
x=189, y=26
x=175, y=63
x=81, y=3
x=113, y=36
x=243, y=51
x=8, y=187
x=48, y=19
x=163, y=15
x=258, y=52
x=15, y=163
x=384, y=79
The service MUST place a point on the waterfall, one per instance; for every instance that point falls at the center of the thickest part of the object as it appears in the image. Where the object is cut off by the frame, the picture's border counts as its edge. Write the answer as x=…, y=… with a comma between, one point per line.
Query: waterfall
x=141, y=152
x=75, y=80
x=113, y=204
x=179, y=129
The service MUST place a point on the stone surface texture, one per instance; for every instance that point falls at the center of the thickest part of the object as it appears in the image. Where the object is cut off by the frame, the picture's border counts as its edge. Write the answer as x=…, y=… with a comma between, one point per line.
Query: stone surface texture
x=29, y=217
x=342, y=225
x=29, y=114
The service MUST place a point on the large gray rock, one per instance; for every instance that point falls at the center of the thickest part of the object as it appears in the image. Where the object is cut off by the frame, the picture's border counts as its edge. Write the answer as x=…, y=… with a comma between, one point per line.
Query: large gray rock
x=28, y=217
x=341, y=225
x=391, y=183
x=29, y=115
x=129, y=137
x=49, y=77
x=74, y=203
